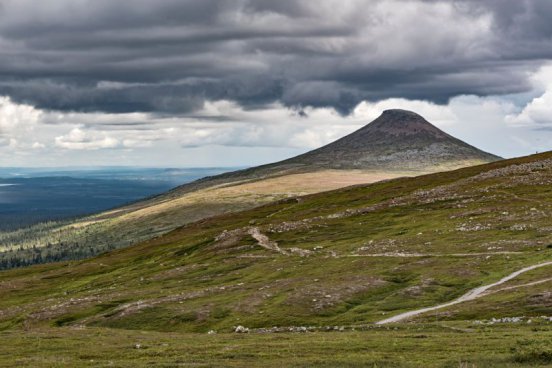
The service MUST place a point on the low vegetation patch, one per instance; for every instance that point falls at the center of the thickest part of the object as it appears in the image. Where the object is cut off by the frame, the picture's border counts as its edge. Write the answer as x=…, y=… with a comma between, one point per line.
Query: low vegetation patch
x=534, y=351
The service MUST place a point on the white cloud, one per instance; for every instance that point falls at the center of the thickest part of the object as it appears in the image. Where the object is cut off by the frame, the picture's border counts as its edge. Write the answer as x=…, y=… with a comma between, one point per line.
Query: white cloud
x=13, y=144
x=538, y=112
x=274, y=126
x=17, y=118
x=78, y=139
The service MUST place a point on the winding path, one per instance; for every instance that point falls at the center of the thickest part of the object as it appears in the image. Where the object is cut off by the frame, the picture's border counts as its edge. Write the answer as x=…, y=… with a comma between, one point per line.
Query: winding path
x=470, y=295
x=413, y=255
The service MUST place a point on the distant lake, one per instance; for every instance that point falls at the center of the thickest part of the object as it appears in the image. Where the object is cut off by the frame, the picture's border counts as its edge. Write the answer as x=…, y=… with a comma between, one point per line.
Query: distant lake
x=29, y=196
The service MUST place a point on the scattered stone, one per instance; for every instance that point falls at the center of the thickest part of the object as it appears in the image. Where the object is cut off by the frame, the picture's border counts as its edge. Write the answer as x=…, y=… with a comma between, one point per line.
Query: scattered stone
x=300, y=252
x=520, y=319
x=472, y=227
x=241, y=329
x=518, y=227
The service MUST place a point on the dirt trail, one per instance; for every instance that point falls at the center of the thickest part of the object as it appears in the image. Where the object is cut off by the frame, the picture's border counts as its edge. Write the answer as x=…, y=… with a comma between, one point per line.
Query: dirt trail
x=264, y=241
x=412, y=255
x=538, y=282
x=470, y=295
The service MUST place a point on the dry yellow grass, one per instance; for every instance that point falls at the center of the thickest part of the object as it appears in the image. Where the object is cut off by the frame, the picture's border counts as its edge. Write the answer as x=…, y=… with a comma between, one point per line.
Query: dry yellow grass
x=239, y=196
x=267, y=190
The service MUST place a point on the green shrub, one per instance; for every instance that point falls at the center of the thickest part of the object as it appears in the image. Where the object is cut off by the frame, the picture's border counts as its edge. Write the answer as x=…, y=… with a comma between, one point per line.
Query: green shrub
x=533, y=351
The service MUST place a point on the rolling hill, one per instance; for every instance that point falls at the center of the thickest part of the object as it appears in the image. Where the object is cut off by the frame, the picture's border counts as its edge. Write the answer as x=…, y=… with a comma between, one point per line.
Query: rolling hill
x=474, y=242
x=399, y=143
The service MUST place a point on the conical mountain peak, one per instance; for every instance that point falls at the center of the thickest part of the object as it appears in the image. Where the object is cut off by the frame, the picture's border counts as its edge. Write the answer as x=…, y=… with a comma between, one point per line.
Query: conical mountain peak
x=403, y=122
x=396, y=140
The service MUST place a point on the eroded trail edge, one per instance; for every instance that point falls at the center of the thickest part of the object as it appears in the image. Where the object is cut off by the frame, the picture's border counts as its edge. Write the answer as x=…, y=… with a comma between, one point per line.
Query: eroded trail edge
x=470, y=295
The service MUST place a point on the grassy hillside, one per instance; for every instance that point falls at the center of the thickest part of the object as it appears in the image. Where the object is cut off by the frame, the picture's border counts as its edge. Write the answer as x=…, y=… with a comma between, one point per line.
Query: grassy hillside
x=92, y=235
x=334, y=262
x=348, y=257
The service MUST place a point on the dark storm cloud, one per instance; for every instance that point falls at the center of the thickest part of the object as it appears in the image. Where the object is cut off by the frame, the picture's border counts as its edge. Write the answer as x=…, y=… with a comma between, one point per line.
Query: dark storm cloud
x=169, y=56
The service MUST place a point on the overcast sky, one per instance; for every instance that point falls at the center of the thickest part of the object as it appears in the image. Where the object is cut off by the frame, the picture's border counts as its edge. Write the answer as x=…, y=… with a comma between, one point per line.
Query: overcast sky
x=235, y=83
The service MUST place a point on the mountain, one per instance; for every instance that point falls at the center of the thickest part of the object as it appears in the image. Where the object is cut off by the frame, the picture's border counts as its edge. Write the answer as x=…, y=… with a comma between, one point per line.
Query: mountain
x=399, y=143
x=396, y=140
x=474, y=242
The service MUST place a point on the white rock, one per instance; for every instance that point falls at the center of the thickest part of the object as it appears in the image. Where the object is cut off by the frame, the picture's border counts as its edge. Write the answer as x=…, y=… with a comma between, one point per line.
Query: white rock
x=241, y=329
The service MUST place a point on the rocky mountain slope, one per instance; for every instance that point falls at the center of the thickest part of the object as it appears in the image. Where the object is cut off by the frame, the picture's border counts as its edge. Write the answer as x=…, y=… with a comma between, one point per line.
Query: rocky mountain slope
x=398, y=143
x=397, y=140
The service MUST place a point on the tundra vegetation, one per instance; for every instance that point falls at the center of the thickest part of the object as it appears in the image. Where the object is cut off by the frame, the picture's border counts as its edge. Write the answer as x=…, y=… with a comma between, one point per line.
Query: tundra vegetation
x=307, y=279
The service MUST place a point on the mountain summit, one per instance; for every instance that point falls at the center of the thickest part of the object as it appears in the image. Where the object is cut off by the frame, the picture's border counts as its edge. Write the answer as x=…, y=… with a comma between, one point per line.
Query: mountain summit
x=396, y=140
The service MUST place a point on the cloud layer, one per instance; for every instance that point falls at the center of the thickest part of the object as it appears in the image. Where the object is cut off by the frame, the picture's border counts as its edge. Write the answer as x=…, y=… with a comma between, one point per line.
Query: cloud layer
x=108, y=79
x=170, y=56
